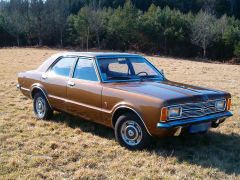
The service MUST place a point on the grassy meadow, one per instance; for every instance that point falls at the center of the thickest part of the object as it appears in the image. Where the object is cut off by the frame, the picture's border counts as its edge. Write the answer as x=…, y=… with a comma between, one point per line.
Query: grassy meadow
x=67, y=147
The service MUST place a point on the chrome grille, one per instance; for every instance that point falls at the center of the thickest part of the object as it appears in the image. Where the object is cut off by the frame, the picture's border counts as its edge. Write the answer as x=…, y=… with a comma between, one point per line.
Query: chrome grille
x=191, y=110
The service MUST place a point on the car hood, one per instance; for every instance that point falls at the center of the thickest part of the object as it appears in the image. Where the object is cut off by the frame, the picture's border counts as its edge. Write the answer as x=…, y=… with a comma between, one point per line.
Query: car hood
x=170, y=91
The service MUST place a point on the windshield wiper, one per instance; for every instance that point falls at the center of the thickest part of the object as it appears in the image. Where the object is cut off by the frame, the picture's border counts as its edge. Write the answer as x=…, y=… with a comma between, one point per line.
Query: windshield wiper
x=119, y=78
x=148, y=77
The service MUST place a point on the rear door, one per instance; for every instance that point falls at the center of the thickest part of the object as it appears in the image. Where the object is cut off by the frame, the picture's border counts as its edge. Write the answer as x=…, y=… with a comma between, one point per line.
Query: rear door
x=84, y=91
x=55, y=81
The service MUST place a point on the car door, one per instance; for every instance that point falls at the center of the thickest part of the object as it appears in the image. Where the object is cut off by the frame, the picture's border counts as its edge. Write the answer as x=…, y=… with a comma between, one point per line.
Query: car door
x=84, y=91
x=55, y=81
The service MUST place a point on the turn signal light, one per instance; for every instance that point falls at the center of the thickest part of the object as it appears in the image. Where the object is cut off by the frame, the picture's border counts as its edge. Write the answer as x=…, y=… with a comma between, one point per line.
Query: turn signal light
x=229, y=102
x=164, y=114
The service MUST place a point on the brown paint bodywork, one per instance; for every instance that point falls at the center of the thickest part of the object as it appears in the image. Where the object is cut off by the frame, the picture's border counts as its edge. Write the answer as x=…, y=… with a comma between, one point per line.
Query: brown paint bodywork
x=98, y=101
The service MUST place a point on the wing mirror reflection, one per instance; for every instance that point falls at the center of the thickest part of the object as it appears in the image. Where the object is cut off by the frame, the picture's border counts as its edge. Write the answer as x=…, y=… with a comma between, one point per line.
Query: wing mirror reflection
x=162, y=72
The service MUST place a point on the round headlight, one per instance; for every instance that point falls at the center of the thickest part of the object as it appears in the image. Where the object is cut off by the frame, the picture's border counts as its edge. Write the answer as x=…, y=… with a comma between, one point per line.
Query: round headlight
x=174, y=112
x=220, y=105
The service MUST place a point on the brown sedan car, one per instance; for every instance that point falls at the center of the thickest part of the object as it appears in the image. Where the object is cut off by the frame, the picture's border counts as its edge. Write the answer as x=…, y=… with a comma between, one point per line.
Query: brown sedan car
x=125, y=92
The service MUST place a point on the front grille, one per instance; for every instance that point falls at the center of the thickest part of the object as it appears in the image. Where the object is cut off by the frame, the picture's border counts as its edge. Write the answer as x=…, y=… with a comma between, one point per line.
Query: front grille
x=192, y=110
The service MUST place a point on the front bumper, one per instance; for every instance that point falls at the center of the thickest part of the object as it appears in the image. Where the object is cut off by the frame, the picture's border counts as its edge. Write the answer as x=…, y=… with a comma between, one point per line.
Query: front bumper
x=185, y=122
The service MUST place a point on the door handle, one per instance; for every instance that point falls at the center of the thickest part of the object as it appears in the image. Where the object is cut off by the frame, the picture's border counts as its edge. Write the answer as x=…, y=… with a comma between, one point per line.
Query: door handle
x=44, y=76
x=71, y=83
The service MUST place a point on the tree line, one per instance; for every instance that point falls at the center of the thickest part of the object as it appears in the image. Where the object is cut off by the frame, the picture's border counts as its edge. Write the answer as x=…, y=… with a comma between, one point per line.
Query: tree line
x=209, y=29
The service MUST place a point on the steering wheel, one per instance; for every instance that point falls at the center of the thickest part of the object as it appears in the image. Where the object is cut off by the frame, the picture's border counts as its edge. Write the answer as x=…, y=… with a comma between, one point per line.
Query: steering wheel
x=142, y=72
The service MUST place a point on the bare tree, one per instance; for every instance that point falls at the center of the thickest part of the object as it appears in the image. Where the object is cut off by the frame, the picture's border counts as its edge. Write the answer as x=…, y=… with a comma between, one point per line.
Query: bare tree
x=62, y=12
x=56, y=12
x=82, y=25
x=204, y=30
x=28, y=20
x=222, y=24
x=96, y=20
x=37, y=12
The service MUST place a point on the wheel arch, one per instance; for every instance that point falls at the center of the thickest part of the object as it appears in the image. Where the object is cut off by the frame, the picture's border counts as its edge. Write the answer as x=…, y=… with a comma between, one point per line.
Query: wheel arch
x=37, y=88
x=122, y=110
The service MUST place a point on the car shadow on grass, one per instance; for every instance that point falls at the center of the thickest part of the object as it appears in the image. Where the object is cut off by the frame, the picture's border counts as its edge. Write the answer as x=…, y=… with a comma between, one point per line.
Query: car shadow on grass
x=84, y=125
x=211, y=150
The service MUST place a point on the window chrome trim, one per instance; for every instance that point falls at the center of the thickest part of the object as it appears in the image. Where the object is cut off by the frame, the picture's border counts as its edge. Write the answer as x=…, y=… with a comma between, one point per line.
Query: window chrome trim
x=57, y=60
x=94, y=65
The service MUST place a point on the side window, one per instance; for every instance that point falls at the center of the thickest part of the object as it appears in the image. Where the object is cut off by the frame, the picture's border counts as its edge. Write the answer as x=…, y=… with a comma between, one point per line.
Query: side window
x=85, y=70
x=63, y=66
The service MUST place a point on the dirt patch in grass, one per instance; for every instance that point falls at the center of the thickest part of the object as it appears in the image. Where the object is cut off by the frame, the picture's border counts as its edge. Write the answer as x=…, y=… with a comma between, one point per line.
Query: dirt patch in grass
x=69, y=147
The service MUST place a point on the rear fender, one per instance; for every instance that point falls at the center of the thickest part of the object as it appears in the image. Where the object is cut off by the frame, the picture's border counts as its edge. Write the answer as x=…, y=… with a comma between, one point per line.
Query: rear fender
x=39, y=87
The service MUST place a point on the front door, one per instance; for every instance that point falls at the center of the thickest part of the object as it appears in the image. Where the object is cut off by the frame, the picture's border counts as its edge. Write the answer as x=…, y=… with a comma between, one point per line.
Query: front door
x=84, y=91
x=55, y=81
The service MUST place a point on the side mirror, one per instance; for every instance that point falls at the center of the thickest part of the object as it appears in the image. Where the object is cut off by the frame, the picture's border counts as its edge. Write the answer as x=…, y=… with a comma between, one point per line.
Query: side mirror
x=161, y=71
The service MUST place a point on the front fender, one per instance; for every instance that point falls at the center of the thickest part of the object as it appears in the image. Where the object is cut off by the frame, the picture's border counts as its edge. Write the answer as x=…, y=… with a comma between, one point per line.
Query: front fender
x=131, y=107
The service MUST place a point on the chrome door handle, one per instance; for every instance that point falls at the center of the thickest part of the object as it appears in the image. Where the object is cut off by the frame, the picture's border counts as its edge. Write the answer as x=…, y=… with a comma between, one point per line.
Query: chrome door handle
x=71, y=83
x=44, y=76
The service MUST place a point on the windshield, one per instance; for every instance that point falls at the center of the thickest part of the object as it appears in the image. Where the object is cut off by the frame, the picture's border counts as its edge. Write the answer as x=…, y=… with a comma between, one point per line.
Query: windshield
x=127, y=68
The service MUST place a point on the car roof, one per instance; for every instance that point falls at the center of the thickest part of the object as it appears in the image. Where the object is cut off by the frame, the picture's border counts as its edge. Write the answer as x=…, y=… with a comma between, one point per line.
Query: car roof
x=43, y=67
x=96, y=54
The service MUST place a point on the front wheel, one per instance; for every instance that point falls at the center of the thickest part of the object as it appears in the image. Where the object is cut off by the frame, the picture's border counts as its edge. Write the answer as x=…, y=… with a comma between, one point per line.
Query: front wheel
x=41, y=107
x=131, y=133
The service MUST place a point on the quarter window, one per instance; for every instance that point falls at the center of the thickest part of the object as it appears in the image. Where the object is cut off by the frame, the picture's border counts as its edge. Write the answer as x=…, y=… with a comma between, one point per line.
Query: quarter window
x=63, y=66
x=85, y=70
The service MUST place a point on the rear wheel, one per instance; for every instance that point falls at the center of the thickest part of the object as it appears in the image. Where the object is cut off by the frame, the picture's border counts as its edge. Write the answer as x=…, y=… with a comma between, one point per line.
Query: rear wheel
x=41, y=107
x=131, y=133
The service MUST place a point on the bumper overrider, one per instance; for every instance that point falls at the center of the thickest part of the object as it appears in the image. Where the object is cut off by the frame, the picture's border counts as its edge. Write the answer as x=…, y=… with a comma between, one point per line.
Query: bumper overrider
x=185, y=122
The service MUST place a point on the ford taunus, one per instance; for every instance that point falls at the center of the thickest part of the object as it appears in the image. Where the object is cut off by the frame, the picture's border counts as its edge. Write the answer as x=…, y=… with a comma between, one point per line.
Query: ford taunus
x=123, y=91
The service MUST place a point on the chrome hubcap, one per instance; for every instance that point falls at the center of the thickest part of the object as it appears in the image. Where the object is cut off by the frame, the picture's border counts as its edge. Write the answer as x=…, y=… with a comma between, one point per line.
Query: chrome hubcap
x=40, y=107
x=131, y=133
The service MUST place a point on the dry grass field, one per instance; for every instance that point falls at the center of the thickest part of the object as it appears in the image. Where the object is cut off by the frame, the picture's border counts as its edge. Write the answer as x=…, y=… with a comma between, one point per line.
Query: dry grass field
x=66, y=147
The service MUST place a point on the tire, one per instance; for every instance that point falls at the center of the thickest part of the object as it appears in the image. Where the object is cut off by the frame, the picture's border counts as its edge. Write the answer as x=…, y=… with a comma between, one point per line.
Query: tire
x=131, y=133
x=41, y=108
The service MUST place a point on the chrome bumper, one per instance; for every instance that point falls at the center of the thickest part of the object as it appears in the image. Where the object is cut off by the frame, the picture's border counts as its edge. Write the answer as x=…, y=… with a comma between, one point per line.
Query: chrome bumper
x=185, y=122
x=18, y=86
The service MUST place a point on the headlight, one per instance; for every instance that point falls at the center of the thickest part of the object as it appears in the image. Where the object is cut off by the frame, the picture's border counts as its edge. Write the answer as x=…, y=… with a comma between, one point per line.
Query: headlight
x=220, y=105
x=174, y=111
